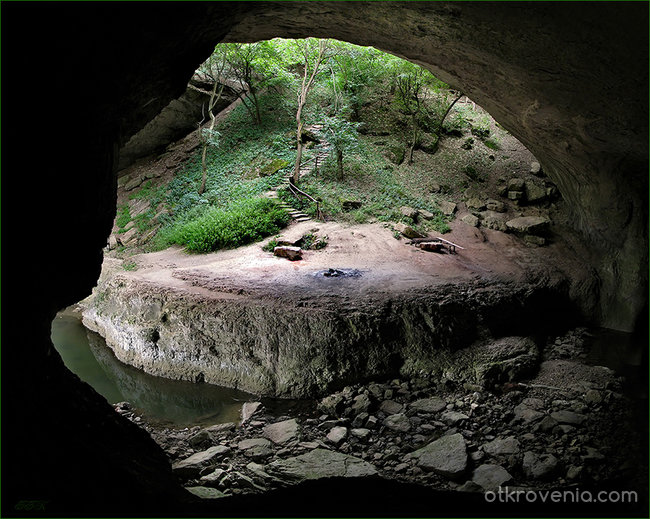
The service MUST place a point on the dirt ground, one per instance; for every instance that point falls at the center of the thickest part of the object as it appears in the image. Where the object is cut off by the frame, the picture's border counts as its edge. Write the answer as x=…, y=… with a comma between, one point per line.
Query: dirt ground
x=386, y=265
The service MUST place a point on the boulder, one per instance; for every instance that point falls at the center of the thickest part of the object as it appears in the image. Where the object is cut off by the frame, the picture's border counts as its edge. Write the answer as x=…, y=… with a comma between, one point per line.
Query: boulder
x=409, y=212
x=407, y=231
x=337, y=435
x=495, y=205
x=447, y=208
x=490, y=476
x=528, y=225
x=255, y=448
x=494, y=222
x=361, y=404
x=332, y=404
x=539, y=466
x=475, y=203
x=516, y=184
x=471, y=220
x=133, y=183
x=515, y=195
x=505, y=360
x=446, y=456
x=502, y=446
x=534, y=193
x=248, y=410
x=283, y=432
x=291, y=253
x=127, y=237
x=193, y=465
x=213, y=479
x=390, y=407
x=320, y=463
x=429, y=405
x=398, y=422
x=453, y=417
x=568, y=417
x=535, y=168
x=525, y=414
x=426, y=215
x=360, y=433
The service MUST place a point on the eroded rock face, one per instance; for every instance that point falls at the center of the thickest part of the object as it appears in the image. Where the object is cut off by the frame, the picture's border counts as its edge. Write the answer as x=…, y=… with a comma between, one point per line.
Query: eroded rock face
x=176, y=120
x=284, y=347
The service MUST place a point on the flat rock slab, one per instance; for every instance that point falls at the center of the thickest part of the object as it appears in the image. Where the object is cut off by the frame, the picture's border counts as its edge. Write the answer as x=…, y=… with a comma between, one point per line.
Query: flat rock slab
x=398, y=422
x=196, y=462
x=568, y=417
x=282, y=433
x=320, y=463
x=206, y=492
x=490, y=476
x=256, y=448
x=453, y=417
x=390, y=407
x=249, y=409
x=528, y=224
x=446, y=456
x=502, y=446
x=539, y=466
x=429, y=405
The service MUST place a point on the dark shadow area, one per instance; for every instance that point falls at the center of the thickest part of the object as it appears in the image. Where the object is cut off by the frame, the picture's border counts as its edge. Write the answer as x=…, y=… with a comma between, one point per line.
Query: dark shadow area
x=80, y=79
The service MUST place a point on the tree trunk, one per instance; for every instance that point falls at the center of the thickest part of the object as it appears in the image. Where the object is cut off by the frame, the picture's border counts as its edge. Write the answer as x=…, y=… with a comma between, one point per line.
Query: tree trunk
x=214, y=99
x=339, y=161
x=414, y=137
x=439, y=130
x=296, y=168
x=302, y=100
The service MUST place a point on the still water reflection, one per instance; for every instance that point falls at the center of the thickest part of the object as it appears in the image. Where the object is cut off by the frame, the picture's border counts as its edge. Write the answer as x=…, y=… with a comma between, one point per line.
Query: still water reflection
x=158, y=399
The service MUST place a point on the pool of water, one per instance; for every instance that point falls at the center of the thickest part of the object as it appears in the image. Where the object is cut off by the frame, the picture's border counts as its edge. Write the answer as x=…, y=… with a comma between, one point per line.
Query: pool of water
x=159, y=400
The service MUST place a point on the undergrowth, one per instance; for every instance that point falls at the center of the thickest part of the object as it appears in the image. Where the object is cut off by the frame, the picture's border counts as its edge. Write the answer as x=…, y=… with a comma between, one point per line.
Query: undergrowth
x=238, y=224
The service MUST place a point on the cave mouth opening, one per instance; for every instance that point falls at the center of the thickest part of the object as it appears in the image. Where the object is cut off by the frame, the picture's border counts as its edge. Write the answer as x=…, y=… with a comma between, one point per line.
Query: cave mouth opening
x=76, y=287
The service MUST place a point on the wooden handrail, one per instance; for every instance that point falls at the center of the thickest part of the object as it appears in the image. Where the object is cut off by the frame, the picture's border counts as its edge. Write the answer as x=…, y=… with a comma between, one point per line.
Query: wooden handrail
x=298, y=193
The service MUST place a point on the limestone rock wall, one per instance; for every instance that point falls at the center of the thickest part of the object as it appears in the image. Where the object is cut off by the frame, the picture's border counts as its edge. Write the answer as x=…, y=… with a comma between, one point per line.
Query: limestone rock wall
x=175, y=121
x=288, y=348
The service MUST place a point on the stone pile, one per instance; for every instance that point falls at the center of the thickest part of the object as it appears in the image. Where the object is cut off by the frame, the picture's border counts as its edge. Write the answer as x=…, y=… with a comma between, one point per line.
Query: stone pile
x=563, y=428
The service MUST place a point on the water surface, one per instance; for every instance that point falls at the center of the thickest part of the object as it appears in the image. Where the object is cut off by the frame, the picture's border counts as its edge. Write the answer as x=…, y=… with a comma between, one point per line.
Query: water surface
x=160, y=400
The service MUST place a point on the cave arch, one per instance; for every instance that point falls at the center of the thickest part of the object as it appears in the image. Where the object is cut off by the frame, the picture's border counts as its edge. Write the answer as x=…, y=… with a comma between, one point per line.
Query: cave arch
x=547, y=72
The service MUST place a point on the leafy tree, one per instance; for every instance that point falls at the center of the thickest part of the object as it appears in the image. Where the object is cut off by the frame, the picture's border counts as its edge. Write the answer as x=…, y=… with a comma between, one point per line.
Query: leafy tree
x=213, y=69
x=342, y=135
x=313, y=53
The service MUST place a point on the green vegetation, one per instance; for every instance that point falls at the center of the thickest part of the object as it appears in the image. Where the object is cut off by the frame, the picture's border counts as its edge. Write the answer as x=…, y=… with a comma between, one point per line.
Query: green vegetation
x=222, y=228
x=382, y=118
x=130, y=265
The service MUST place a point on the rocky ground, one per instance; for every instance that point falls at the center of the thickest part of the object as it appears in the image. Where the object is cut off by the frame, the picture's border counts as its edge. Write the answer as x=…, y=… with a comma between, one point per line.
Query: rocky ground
x=570, y=426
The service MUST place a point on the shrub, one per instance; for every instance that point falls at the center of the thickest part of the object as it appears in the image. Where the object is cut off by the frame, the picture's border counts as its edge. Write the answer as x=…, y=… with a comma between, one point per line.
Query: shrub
x=236, y=225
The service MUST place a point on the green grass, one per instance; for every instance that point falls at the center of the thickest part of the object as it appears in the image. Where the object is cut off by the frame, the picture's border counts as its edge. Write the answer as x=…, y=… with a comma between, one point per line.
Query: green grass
x=220, y=228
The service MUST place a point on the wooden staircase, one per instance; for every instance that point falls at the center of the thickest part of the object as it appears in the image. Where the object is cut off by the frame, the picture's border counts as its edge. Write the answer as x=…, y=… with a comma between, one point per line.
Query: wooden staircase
x=307, y=167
